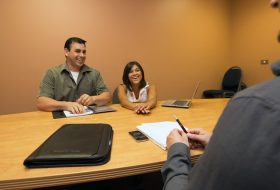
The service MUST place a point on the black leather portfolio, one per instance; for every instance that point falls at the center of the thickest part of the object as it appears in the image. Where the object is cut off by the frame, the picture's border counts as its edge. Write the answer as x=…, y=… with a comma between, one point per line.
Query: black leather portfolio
x=74, y=145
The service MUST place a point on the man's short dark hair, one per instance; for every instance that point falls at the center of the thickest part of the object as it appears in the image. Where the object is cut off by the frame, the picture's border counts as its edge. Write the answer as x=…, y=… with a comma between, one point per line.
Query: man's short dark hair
x=68, y=42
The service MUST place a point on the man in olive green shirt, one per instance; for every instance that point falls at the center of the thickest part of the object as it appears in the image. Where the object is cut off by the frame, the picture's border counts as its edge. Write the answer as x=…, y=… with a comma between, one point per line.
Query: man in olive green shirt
x=72, y=85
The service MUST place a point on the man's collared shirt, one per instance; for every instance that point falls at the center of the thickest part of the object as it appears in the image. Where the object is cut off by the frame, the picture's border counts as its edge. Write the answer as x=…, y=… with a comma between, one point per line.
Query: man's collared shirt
x=59, y=84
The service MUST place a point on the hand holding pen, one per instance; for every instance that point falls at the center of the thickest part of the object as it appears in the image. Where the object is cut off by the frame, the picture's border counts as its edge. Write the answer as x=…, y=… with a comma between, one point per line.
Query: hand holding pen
x=194, y=136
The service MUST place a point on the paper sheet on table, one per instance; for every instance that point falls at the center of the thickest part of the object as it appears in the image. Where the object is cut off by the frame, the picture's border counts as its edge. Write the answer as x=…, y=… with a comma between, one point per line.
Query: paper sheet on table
x=158, y=132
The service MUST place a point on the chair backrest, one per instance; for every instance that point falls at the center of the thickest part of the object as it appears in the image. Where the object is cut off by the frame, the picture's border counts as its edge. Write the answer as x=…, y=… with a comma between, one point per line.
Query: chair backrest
x=115, y=99
x=232, y=79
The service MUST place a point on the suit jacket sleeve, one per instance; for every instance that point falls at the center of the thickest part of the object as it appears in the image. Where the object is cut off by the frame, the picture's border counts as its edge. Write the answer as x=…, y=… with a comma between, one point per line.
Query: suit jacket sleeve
x=176, y=169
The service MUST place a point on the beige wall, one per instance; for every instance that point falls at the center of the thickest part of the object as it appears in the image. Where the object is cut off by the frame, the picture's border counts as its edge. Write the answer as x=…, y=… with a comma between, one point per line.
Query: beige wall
x=177, y=42
x=254, y=32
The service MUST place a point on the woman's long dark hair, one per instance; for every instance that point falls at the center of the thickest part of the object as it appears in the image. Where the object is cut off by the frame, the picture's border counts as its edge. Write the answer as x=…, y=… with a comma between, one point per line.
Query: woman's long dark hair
x=127, y=70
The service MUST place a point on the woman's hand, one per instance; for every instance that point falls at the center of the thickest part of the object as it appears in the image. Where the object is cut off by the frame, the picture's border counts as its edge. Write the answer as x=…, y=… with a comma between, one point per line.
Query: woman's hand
x=142, y=108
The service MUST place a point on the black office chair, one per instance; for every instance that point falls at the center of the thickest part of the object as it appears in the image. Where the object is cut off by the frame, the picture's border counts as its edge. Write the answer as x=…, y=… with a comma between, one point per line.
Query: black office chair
x=115, y=99
x=230, y=85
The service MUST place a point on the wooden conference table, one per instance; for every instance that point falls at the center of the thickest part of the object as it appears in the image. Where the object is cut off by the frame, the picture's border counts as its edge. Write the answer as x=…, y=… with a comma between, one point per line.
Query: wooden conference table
x=22, y=133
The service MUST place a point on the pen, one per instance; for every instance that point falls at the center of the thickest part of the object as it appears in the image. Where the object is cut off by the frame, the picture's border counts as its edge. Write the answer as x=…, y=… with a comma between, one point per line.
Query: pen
x=196, y=143
x=181, y=125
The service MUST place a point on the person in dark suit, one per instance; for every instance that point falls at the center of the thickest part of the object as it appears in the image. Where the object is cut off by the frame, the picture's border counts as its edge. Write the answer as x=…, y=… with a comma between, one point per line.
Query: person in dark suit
x=243, y=151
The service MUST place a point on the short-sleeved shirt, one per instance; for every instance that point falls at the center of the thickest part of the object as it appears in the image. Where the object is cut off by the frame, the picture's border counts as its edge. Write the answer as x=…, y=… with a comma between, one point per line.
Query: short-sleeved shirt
x=59, y=84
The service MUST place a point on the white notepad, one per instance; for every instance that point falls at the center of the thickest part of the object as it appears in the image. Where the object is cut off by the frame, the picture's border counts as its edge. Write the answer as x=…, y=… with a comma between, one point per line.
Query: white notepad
x=90, y=110
x=158, y=132
x=70, y=114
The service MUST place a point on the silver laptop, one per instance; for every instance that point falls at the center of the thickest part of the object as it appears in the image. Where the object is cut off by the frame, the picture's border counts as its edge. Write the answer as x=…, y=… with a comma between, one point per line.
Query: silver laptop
x=181, y=103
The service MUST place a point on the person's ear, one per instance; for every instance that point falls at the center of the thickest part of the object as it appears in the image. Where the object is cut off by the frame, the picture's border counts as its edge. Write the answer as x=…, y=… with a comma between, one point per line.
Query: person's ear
x=66, y=52
x=274, y=3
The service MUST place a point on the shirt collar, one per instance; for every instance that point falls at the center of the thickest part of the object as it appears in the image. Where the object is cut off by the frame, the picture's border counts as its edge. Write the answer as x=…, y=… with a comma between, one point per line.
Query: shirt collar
x=84, y=68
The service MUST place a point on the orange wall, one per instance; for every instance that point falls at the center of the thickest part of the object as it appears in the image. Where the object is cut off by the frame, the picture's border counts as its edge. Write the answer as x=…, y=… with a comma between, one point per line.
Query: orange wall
x=254, y=31
x=178, y=42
